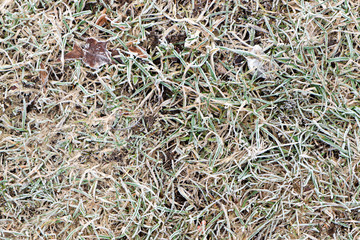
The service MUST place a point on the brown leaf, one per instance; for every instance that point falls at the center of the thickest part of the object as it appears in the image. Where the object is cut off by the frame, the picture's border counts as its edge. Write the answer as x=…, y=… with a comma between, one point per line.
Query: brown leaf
x=95, y=53
x=76, y=53
x=137, y=51
x=43, y=75
x=102, y=20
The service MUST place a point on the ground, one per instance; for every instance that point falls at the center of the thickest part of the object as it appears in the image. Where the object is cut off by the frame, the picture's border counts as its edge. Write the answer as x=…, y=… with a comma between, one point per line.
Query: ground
x=203, y=119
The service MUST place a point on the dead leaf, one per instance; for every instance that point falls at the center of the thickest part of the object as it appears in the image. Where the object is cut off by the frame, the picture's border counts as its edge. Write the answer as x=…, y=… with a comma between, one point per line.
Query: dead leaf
x=76, y=53
x=137, y=51
x=43, y=75
x=95, y=53
x=102, y=20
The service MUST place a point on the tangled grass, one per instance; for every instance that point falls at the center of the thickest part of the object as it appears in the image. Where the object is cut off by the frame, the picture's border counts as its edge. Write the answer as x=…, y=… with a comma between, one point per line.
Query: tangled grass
x=186, y=142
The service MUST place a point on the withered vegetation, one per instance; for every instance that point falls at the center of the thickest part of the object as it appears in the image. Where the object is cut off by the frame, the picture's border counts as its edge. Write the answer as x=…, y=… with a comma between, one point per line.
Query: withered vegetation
x=176, y=137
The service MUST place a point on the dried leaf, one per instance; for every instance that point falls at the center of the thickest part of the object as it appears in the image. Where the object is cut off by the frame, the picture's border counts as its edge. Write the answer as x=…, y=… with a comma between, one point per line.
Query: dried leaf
x=102, y=20
x=43, y=75
x=137, y=51
x=76, y=53
x=95, y=53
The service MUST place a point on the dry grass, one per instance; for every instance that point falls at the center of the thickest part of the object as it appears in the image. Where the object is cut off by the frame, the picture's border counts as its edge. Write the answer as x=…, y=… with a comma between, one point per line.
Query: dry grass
x=185, y=142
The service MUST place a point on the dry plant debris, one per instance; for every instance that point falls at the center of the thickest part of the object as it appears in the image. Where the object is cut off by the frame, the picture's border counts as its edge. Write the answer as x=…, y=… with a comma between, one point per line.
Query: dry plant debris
x=76, y=53
x=137, y=51
x=44, y=75
x=102, y=20
x=208, y=120
x=94, y=54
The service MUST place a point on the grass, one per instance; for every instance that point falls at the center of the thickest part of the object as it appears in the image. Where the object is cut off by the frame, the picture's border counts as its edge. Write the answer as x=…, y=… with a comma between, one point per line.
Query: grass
x=187, y=143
